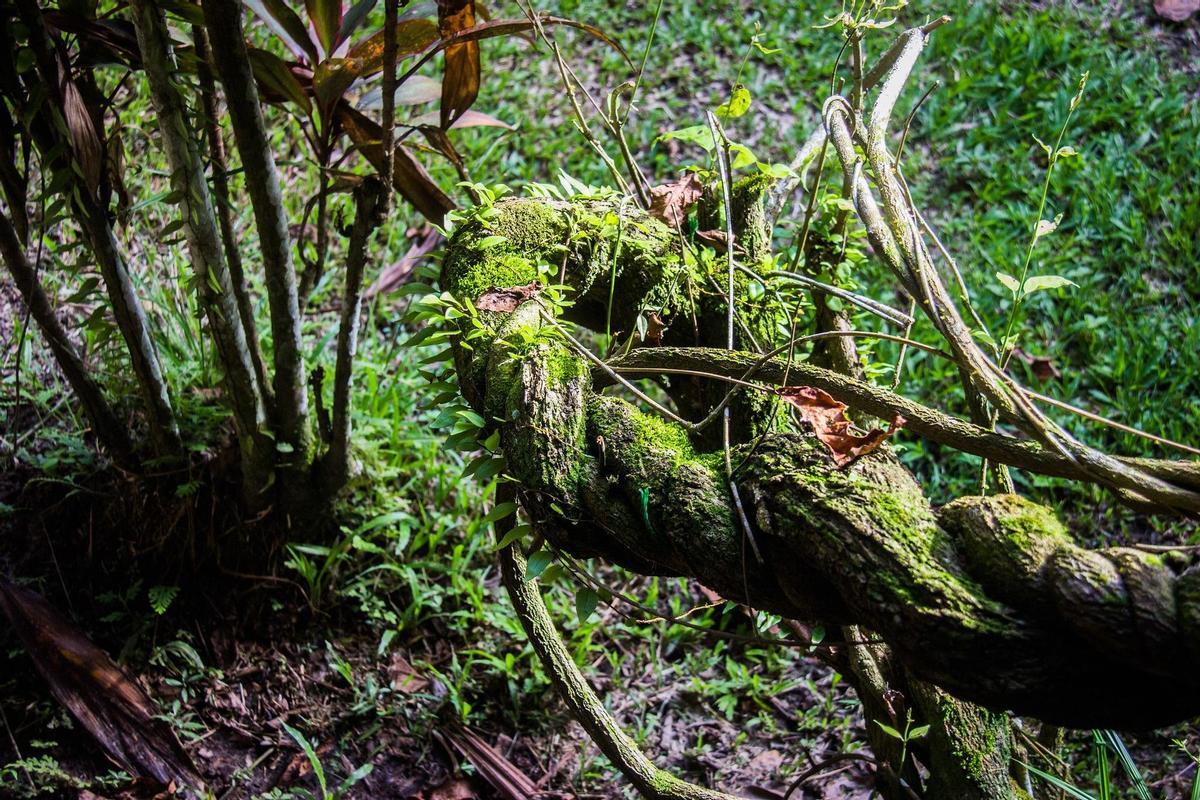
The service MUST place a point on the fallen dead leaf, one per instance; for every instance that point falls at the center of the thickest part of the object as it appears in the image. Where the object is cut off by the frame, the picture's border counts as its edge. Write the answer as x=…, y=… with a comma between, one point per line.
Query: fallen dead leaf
x=1176, y=10
x=404, y=676
x=714, y=239
x=830, y=424
x=655, y=328
x=507, y=300
x=671, y=201
x=453, y=789
x=1043, y=367
x=108, y=703
x=500, y=773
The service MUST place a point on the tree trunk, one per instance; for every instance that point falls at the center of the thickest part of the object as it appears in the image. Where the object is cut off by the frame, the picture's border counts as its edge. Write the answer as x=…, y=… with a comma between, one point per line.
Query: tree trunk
x=207, y=255
x=368, y=202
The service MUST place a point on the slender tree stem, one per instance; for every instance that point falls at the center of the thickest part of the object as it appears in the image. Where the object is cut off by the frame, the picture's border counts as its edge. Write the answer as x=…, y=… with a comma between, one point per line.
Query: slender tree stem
x=369, y=202
x=223, y=20
x=215, y=285
x=223, y=205
x=109, y=429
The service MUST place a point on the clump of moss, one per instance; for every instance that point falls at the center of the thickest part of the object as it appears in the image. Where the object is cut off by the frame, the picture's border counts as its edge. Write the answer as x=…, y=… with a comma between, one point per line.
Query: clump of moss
x=530, y=230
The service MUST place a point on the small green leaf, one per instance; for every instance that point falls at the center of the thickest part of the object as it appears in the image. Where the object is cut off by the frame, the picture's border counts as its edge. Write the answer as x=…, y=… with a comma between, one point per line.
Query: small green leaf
x=1009, y=281
x=696, y=134
x=500, y=511
x=516, y=534
x=890, y=731
x=538, y=563
x=918, y=732
x=586, y=601
x=739, y=103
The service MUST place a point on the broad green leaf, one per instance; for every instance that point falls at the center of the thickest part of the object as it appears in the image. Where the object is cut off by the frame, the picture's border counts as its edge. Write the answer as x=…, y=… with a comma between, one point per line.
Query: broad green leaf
x=1039, y=282
x=739, y=103
x=538, y=563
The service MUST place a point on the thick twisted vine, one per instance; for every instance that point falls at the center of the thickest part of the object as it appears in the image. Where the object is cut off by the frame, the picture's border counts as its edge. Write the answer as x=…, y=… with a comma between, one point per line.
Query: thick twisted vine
x=988, y=598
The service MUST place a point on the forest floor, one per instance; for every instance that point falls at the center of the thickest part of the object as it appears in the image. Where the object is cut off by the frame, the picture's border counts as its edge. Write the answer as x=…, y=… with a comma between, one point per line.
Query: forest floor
x=384, y=639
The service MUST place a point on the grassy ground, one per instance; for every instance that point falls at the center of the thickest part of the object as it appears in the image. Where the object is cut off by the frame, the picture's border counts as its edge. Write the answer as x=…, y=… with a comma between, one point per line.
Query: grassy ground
x=374, y=642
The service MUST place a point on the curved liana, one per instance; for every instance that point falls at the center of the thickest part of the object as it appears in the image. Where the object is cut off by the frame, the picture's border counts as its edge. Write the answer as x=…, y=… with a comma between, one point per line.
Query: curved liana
x=988, y=597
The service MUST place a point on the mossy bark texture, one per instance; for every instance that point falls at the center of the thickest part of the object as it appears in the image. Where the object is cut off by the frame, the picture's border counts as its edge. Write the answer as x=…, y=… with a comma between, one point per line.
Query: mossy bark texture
x=987, y=598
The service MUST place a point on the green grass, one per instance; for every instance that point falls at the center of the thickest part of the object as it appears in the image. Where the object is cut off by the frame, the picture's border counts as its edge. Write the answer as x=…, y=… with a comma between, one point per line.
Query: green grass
x=1126, y=340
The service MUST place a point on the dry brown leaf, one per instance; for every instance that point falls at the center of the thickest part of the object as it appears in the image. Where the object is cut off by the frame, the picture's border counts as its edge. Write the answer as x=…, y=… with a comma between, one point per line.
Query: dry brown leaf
x=1176, y=10
x=453, y=789
x=714, y=239
x=655, y=328
x=1043, y=367
x=671, y=201
x=830, y=424
x=507, y=300
x=404, y=676
x=500, y=773
x=108, y=703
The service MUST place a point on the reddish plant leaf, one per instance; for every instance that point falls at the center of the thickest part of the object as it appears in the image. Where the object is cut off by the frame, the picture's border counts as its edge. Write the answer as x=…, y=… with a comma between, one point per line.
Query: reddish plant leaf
x=287, y=25
x=412, y=36
x=460, y=78
x=671, y=201
x=408, y=176
x=1176, y=10
x=331, y=79
x=326, y=18
x=425, y=242
x=108, y=703
x=507, y=300
x=830, y=424
x=276, y=80
x=468, y=119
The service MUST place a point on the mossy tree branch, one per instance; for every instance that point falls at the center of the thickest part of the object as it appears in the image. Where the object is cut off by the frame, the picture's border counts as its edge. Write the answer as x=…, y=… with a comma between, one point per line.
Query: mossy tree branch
x=988, y=598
